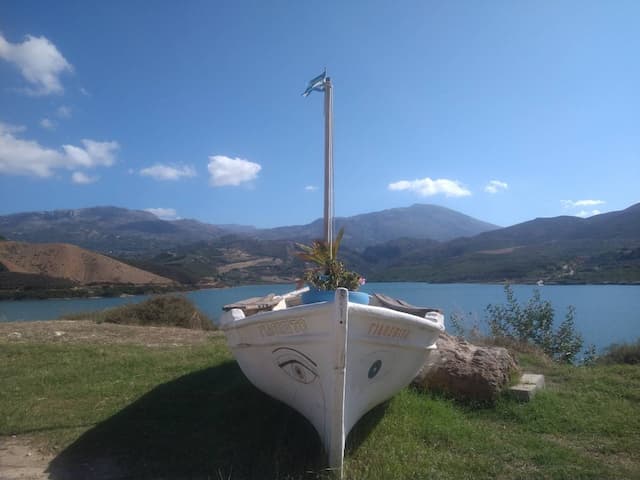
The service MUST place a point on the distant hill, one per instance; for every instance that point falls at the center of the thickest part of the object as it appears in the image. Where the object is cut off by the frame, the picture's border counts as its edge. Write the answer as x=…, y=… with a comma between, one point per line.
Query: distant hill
x=134, y=233
x=419, y=221
x=228, y=260
x=71, y=263
x=618, y=225
x=602, y=248
x=111, y=230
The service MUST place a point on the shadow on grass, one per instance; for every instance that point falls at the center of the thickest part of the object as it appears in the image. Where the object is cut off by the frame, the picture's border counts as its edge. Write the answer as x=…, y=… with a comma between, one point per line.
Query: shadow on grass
x=364, y=427
x=209, y=424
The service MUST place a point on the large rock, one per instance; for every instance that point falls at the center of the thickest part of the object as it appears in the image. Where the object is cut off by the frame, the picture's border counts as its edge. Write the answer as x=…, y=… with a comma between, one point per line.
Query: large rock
x=466, y=371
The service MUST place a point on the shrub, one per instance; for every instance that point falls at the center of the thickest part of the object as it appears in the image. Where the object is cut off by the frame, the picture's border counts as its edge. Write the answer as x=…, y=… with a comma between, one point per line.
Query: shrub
x=627, y=353
x=534, y=323
x=165, y=310
x=162, y=311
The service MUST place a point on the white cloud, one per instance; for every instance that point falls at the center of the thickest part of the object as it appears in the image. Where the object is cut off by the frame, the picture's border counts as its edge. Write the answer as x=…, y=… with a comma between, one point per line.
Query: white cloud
x=39, y=62
x=5, y=127
x=494, y=186
x=84, y=92
x=24, y=157
x=168, y=172
x=581, y=203
x=28, y=157
x=231, y=171
x=64, y=111
x=164, y=213
x=585, y=214
x=311, y=188
x=92, y=155
x=47, y=124
x=82, y=178
x=427, y=187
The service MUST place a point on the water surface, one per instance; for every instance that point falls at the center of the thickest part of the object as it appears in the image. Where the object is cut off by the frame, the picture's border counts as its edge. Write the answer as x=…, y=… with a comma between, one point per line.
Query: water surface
x=604, y=313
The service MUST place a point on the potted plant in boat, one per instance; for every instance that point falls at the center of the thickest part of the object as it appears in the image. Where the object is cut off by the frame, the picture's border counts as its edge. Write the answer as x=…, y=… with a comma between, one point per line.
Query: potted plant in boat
x=329, y=272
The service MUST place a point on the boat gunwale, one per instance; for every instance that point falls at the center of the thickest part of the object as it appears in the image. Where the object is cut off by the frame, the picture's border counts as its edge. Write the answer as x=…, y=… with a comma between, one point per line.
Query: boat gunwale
x=383, y=312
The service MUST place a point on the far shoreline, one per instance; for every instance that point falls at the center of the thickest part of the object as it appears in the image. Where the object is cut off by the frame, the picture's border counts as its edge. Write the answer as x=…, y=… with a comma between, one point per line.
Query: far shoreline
x=123, y=291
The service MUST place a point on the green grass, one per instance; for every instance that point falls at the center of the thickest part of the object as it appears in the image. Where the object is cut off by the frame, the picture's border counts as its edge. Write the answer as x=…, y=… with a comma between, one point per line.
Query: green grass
x=188, y=412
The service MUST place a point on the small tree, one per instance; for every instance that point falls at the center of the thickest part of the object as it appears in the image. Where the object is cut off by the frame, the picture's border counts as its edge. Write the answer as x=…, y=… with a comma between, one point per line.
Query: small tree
x=534, y=323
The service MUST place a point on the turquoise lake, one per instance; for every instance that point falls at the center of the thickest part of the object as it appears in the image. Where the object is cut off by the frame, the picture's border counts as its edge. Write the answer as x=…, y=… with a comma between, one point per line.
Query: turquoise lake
x=604, y=314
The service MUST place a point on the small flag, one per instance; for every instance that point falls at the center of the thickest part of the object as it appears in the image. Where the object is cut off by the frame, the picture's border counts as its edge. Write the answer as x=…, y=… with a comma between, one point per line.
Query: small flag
x=316, y=84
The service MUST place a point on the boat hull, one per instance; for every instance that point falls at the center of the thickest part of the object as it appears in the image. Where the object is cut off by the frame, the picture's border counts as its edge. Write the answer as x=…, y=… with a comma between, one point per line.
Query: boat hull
x=331, y=361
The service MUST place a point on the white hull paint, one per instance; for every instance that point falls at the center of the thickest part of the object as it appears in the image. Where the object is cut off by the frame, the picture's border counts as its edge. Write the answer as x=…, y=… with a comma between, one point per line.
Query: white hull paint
x=331, y=361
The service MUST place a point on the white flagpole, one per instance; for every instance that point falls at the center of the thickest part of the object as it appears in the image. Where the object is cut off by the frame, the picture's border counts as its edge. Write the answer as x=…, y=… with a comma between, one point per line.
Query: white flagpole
x=328, y=163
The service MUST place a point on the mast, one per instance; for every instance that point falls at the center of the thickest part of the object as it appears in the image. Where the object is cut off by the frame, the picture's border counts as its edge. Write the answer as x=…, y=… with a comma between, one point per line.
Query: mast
x=328, y=163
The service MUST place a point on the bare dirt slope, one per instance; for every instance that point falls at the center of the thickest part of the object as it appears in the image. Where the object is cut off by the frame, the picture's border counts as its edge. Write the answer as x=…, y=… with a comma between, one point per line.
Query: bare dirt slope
x=61, y=260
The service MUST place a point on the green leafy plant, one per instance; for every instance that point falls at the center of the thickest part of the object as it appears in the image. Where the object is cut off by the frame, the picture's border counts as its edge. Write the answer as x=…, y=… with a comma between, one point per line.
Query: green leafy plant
x=329, y=272
x=534, y=323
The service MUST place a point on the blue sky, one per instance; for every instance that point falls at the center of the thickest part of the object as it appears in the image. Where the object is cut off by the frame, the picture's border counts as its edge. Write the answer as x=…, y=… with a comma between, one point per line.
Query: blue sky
x=502, y=110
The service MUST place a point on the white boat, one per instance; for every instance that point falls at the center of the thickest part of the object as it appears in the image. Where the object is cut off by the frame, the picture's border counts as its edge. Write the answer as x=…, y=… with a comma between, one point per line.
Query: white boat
x=332, y=360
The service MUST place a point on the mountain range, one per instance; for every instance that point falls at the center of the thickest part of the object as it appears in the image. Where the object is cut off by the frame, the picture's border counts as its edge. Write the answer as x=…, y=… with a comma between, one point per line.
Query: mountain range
x=418, y=221
x=417, y=243
x=112, y=230
x=602, y=248
x=132, y=233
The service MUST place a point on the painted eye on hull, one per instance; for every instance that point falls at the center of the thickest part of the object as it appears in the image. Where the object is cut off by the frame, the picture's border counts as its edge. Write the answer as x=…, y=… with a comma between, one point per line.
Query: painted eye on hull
x=297, y=370
x=374, y=369
x=296, y=364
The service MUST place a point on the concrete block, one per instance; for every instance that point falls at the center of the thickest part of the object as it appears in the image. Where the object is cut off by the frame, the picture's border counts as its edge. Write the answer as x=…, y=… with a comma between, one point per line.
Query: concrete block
x=528, y=386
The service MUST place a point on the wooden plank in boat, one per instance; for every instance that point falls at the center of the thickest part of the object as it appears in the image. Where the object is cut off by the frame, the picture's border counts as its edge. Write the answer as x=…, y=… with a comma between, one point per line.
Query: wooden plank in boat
x=255, y=304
